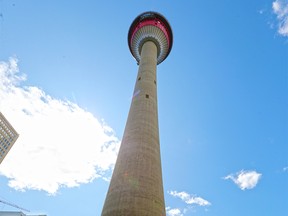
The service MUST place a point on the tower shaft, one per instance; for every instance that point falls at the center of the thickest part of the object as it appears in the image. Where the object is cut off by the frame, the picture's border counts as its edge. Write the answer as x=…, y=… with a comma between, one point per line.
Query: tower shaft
x=136, y=187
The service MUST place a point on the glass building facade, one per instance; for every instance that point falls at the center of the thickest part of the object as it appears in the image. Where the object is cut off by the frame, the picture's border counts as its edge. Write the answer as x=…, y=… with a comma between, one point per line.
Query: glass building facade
x=8, y=137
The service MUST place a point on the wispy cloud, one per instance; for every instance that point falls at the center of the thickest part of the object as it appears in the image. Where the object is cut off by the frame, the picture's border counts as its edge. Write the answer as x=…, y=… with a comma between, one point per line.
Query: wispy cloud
x=245, y=179
x=173, y=211
x=280, y=8
x=190, y=199
x=60, y=143
x=285, y=169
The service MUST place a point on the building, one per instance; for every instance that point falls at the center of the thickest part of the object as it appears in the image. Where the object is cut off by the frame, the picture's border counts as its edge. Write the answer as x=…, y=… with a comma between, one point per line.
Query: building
x=136, y=187
x=8, y=137
x=11, y=213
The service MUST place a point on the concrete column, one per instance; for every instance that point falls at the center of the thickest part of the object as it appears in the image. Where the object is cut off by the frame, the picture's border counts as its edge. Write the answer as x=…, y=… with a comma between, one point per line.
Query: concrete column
x=136, y=187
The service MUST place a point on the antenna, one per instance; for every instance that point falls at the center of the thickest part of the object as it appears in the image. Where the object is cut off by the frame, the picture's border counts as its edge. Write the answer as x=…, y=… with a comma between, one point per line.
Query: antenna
x=13, y=205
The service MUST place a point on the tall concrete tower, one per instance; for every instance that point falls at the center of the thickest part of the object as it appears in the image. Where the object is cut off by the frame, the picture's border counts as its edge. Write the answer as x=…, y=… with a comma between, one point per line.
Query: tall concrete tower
x=136, y=187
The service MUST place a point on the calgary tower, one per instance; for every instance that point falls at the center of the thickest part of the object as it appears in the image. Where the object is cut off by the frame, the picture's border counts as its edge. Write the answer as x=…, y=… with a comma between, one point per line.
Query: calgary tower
x=136, y=187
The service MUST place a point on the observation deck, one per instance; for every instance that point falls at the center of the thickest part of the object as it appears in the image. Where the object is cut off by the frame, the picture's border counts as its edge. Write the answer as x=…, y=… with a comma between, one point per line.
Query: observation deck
x=150, y=26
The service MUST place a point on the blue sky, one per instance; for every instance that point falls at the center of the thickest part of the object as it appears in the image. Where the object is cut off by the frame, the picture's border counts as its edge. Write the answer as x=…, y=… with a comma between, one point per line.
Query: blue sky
x=66, y=82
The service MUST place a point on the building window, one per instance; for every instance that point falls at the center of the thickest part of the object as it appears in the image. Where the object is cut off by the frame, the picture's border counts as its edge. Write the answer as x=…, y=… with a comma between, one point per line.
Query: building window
x=147, y=96
x=139, y=78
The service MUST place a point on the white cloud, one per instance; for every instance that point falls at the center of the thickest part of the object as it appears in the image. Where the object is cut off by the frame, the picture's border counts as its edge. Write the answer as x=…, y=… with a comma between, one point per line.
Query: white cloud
x=173, y=212
x=190, y=199
x=60, y=144
x=285, y=169
x=280, y=8
x=245, y=179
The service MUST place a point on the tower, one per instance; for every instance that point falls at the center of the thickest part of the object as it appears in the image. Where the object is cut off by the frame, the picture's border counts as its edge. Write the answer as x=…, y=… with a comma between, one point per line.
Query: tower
x=136, y=187
x=8, y=137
